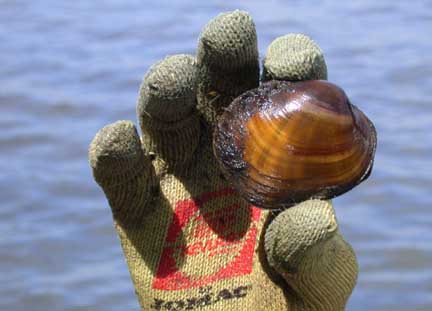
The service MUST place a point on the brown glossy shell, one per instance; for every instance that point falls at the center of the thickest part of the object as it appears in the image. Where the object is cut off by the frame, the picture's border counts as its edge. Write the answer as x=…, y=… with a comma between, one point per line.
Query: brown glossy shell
x=286, y=142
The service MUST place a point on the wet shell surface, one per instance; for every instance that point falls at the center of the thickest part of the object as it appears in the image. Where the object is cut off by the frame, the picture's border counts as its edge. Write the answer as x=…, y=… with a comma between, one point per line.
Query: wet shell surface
x=286, y=142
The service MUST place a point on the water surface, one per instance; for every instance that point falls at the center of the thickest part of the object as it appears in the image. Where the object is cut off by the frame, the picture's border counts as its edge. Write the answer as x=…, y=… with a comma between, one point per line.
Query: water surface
x=67, y=68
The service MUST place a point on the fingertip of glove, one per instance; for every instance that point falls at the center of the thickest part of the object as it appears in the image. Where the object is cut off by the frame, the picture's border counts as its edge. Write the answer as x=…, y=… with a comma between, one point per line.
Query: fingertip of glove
x=115, y=148
x=168, y=90
x=115, y=140
x=298, y=228
x=294, y=57
x=229, y=40
x=236, y=21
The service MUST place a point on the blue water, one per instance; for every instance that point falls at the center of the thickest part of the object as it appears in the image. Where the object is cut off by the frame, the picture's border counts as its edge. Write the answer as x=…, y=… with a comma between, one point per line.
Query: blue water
x=67, y=68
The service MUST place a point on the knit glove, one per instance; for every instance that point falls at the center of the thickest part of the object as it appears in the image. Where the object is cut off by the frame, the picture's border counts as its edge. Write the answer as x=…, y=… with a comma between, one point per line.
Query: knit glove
x=189, y=240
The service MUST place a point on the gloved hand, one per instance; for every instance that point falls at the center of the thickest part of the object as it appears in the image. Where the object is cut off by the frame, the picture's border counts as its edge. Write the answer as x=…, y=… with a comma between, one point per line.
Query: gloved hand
x=190, y=241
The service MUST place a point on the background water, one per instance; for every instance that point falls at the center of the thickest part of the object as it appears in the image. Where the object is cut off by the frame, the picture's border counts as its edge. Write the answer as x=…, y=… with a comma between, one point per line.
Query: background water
x=67, y=68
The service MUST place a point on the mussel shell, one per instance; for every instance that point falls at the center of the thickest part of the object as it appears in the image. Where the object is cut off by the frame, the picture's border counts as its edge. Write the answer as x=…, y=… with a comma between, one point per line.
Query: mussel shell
x=286, y=142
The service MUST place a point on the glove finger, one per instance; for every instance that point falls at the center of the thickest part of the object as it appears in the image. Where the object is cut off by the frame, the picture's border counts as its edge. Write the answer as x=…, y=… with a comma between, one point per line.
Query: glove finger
x=167, y=109
x=227, y=57
x=303, y=245
x=120, y=167
x=294, y=57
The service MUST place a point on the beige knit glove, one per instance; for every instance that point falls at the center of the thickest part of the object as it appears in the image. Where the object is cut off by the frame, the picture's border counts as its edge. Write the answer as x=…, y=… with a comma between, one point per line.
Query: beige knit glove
x=190, y=241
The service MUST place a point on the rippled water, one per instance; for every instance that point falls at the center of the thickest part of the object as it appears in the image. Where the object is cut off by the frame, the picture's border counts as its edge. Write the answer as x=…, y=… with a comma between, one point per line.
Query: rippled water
x=69, y=67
